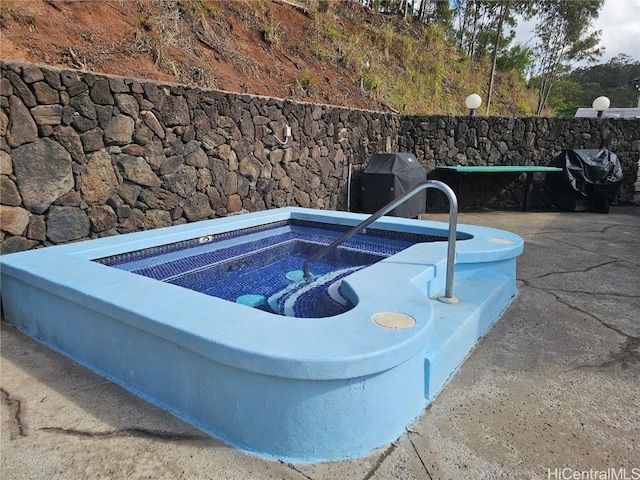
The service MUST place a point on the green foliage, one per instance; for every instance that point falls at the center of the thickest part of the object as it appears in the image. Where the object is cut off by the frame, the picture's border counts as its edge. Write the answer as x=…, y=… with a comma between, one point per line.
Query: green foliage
x=371, y=82
x=410, y=67
x=477, y=24
x=407, y=66
x=580, y=87
x=518, y=59
x=443, y=15
x=145, y=22
x=198, y=7
x=331, y=30
x=307, y=80
x=272, y=31
x=480, y=29
x=319, y=50
x=563, y=37
x=524, y=109
x=388, y=34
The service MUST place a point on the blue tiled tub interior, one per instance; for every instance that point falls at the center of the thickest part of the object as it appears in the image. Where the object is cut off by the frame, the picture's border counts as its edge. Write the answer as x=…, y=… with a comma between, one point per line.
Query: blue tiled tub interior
x=261, y=266
x=324, y=387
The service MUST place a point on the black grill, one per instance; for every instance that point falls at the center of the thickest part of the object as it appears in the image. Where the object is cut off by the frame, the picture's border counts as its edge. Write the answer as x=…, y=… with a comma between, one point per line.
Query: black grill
x=387, y=177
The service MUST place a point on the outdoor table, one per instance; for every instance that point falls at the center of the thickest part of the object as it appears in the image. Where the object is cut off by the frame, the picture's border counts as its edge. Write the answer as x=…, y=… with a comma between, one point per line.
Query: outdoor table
x=466, y=170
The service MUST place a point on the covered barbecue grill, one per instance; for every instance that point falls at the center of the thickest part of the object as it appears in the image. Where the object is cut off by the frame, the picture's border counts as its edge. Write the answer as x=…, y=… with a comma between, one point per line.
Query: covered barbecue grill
x=387, y=177
x=590, y=179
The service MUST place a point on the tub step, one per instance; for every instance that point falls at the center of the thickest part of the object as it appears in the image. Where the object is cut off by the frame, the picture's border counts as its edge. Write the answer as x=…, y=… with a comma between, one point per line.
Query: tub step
x=458, y=328
x=320, y=296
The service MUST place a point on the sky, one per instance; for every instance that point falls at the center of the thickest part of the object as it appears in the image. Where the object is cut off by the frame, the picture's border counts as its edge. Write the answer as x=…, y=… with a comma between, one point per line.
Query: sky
x=619, y=21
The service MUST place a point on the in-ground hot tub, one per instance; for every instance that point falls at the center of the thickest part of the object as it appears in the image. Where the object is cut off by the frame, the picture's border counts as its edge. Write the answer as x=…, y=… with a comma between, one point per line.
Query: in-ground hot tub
x=300, y=389
x=260, y=266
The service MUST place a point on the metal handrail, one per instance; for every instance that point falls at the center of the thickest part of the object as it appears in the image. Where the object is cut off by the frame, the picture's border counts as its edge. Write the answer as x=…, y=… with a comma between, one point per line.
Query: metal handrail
x=451, y=247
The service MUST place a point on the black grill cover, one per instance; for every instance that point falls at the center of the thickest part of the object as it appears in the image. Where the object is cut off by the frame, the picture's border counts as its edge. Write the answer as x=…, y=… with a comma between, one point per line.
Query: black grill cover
x=590, y=178
x=389, y=176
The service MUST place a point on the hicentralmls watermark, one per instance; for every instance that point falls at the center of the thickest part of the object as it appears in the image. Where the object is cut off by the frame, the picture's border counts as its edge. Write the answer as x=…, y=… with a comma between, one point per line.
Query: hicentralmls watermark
x=593, y=474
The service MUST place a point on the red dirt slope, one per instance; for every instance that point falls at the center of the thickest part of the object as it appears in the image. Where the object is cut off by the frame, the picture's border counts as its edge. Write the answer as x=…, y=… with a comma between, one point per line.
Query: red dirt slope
x=252, y=46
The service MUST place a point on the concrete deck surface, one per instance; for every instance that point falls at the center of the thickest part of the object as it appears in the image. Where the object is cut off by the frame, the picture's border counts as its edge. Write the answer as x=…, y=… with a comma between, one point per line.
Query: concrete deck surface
x=553, y=389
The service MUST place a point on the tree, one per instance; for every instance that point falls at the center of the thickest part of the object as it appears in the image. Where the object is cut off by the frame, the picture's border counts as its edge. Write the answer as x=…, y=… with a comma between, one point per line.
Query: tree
x=563, y=37
x=475, y=21
x=615, y=79
x=427, y=11
x=504, y=8
x=518, y=59
x=481, y=27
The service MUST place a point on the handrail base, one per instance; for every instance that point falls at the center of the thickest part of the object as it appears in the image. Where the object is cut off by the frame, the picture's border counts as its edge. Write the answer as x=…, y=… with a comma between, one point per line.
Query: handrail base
x=453, y=220
x=449, y=300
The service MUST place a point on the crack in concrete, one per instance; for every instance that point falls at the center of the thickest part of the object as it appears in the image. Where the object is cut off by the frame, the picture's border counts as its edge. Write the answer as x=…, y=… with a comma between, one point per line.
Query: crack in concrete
x=380, y=461
x=598, y=319
x=292, y=467
x=563, y=232
x=506, y=226
x=628, y=354
x=419, y=457
x=16, y=426
x=603, y=229
x=616, y=225
x=527, y=283
x=627, y=357
x=573, y=245
x=604, y=294
x=588, y=269
x=126, y=432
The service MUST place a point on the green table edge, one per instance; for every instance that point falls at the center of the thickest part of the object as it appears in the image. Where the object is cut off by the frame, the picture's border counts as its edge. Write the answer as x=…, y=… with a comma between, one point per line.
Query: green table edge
x=499, y=169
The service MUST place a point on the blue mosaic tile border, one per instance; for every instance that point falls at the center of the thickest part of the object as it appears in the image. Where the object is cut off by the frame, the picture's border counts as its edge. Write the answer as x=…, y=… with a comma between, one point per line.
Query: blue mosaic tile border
x=129, y=257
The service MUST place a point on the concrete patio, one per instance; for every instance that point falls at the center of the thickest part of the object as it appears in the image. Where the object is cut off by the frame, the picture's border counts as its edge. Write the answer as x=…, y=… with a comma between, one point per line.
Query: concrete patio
x=553, y=390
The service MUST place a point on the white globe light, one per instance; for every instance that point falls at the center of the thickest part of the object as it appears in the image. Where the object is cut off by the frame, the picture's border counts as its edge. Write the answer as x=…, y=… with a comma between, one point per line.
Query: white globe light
x=473, y=101
x=601, y=103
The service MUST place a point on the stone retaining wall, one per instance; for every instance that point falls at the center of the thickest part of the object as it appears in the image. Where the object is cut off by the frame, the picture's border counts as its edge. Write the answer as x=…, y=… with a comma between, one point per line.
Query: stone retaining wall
x=85, y=155
x=441, y=140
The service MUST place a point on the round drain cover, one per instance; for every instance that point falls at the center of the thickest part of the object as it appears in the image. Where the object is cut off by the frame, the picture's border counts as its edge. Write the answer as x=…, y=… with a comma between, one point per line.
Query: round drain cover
x=393, y=320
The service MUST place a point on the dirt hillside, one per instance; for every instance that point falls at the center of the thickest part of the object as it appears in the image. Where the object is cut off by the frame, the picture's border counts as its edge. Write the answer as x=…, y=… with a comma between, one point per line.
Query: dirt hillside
x=116, y=36
x=318, y=52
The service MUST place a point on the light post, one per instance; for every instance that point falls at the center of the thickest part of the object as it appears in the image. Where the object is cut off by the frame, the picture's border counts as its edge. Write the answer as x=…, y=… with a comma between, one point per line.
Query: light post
x=473, y=102
x=600, y=104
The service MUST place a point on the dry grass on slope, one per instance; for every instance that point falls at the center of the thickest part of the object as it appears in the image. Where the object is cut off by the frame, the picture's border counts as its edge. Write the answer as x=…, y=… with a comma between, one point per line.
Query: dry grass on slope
x=326, y=52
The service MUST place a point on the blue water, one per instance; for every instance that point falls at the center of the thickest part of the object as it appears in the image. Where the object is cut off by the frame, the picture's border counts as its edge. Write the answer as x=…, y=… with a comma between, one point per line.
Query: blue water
x=262, y=267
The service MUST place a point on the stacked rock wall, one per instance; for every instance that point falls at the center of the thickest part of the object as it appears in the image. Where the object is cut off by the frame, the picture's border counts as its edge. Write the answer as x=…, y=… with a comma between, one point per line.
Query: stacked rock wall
x=85, y=155
x=442, y=140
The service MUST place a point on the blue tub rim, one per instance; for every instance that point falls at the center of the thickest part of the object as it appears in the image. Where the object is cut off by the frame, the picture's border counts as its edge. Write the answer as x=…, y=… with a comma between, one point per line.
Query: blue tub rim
x=344, y=346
